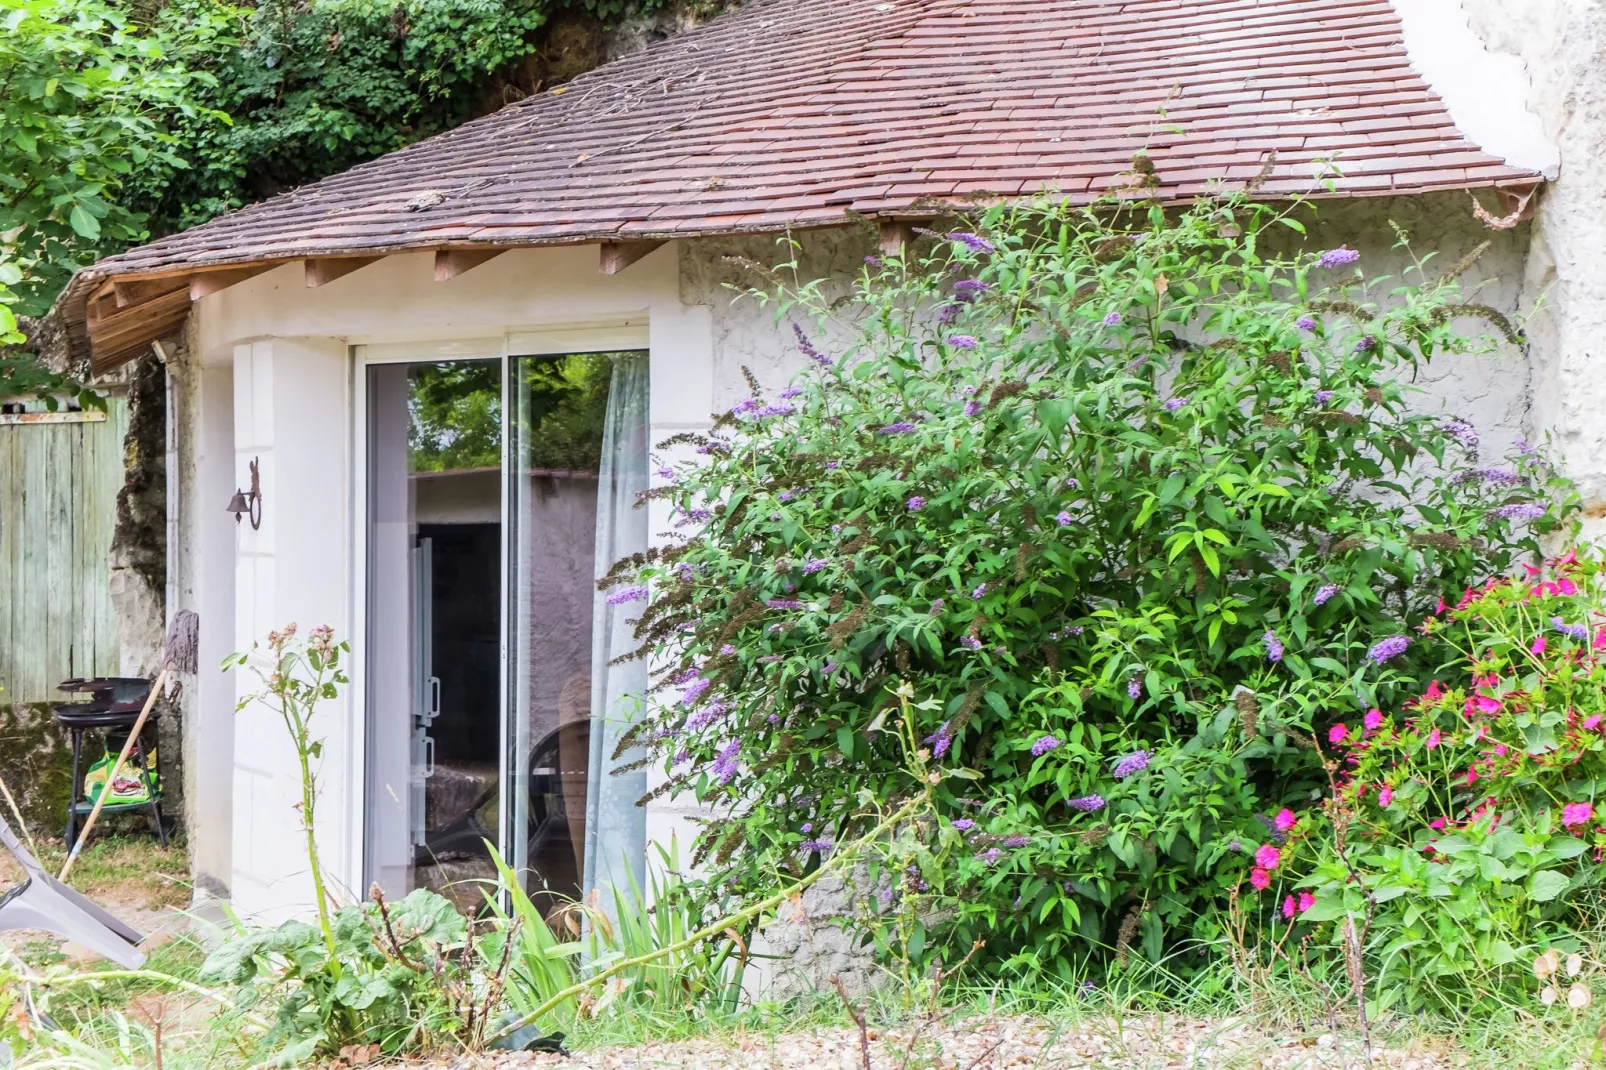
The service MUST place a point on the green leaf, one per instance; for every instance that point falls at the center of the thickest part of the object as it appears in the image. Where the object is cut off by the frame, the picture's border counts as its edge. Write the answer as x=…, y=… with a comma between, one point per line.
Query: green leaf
x=86, y=225
x=1546, y=885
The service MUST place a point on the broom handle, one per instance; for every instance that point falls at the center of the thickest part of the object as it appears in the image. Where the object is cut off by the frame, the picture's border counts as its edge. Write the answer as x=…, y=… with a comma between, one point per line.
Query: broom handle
x=117, y=767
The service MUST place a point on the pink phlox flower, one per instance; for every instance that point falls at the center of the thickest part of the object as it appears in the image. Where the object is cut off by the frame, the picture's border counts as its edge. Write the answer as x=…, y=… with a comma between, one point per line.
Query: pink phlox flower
x=1336, y=734
x=1260, y=879
x=1385, y=796
x=1472, y=775
x=1268, y=857
x=1483, y=704
x=1441, y=608
x=1437, y=823
x=1290, y=905
x=1306, y=901
x=1285, y=820
x=1530, y=569
x=1373, y=720
x=1575, y=814
x=1566, y=586
x=1592, y=721
x=1433, y=693
x=1500, y=750
x=1433, y=739
x=1538, y=645
x=1600, y=639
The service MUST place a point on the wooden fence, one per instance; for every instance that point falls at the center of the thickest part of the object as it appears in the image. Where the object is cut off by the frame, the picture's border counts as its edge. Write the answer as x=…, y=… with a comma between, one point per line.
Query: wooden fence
x=59, y=477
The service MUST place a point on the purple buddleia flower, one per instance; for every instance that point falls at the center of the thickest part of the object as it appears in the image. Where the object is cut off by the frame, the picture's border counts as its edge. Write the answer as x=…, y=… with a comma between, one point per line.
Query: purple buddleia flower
x=964, y=824
x=1518, y=511
x=975, y=242
x=1365, y=343
x=769, y=659
x=1333, y=258
x=875, y=262
x=980, y=590
x=902, y=427
x=1388, y=649
x=806, y=828
x=828, y=668
x=1072, y=483
x=1173, y=404
x=1463, y=433
x=783, y=603
x=1133, y=763
x=685, y=676
x=1523, y=449
x=786, y=495
x=1112, y=320
x=915, y=504
x=790, y=392
x=725, y=761
x=1326, y=591
x=972, y=408
x=807, y=347
x=706, y=716
x=991, y=856
x=1322, y=397
x=808, y=847
x=1305, y=323
x=1134, y=687
x=963, y=341
x=1274, y=646
x=969, y=289
x=727, y=649
x=939, y=741
x=1044, y=745
x=832, y=466
x=635, y=593
x=1017, y=841
x=1494, y=477
x=813, y=565
x=1577, y=631
x=949, y=312
x=774, y=410
x=936, y=606
x=714, y=446
x=1063, y=519
x=744, y=406
x=1087, y=804
x=667, y=474
x=694, y=691
x=970, y=641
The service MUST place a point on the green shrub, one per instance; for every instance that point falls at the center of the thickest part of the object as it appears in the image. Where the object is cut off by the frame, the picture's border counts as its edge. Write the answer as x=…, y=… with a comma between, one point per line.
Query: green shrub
x=1129, y=497
x=1467, y=831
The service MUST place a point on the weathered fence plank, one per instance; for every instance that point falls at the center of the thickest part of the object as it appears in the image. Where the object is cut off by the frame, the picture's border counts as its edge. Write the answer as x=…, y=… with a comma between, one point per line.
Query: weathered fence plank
x=58, y=500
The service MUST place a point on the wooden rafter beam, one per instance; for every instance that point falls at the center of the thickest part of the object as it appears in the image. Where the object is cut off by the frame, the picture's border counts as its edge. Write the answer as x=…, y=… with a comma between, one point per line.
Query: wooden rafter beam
x=450, y=263
x=321, y=272
x=898, y=234
x=618, y=255
x=138, y=291
x=210, y=282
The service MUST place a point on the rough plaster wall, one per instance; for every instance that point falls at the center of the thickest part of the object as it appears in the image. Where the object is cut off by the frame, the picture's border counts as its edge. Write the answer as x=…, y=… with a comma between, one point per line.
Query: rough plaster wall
x=1563, y=45
x=1489, y=389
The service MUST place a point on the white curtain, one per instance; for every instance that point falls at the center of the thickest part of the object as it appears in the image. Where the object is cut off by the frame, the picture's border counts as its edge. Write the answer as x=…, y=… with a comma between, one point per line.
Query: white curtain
x=616, y=828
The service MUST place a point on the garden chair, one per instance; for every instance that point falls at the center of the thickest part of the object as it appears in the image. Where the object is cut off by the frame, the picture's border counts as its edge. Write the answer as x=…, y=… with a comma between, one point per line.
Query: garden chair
x=40, y=901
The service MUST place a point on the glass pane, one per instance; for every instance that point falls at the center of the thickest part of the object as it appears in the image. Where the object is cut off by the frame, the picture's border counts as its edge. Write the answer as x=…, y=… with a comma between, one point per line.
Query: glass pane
x=433, y=668
x=578, y=459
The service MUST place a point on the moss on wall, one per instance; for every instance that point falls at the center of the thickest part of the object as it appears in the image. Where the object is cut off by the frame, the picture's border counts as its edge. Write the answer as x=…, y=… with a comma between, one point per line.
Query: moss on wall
x=38, y=765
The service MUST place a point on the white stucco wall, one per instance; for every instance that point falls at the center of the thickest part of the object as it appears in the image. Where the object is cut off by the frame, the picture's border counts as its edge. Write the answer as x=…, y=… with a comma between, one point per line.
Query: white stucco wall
x=1561, y=45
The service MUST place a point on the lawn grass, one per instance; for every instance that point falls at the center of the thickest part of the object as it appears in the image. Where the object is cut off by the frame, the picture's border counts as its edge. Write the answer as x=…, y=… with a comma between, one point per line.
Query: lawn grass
x=118, y=870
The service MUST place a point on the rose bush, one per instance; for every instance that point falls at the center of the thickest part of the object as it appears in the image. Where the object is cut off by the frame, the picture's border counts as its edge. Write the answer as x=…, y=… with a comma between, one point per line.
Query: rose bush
x=1135, y=505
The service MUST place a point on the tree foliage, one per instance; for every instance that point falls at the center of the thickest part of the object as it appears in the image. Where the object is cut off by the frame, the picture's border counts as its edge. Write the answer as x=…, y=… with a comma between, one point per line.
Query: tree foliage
x=1129, y=501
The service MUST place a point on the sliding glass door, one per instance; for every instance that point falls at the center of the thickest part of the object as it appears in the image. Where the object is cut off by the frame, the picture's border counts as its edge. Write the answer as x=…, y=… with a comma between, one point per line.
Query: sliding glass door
x=577, y=457
x=499, y=491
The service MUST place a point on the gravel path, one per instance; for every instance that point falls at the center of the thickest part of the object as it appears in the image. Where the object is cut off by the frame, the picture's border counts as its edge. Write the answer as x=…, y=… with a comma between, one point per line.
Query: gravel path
x=1160, y=1043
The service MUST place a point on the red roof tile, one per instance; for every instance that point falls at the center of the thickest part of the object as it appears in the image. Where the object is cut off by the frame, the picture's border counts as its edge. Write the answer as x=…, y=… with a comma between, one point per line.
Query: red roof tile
x=806, y=110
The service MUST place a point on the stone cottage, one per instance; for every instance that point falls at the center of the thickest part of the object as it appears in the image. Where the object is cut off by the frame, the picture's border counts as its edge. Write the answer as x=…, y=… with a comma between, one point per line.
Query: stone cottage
x=442, y=370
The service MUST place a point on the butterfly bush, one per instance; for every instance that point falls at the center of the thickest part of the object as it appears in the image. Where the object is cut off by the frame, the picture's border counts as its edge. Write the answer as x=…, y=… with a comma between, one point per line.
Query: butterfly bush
x=988, y=490
x=1471, y=811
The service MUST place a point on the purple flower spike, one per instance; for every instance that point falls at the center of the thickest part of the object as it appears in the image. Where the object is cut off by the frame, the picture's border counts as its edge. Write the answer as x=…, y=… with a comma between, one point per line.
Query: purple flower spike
x=1087, y=804
x=964, y=824
x=939, y=741
x=915, y=504
x=784, y=603
x=1017, y=841
x=963, y=341
x=1322, y=397
x=980, y=590
x=972, y=408
x=1173, y=404
x=1577, y=631
x=974, y=242
x=1112, y=320
x=1305, y=323
x=693, y=692
x=991, y=856
x=1388, y=649
x=1063, y=519
x=1134, y=688
x=1463, y=433
x=811, y=846
x=725, y=761
x=807, y=347
x=1333, y=258
x=813, y=565
x=1326, y=591
x=1274, y=646
x=1366, y=343
x=1133, y=763
x=1044, y=745
x=636, y=593
x=969, y=289
x=902, y=427
x=1518, y=511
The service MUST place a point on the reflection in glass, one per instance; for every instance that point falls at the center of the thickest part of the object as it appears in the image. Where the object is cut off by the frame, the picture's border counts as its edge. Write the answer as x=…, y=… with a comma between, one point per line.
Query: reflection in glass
x=578, y=459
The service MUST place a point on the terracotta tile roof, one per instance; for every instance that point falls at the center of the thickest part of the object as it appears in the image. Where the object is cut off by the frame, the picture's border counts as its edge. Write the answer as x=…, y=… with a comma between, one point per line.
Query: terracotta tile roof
x=804, y=111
